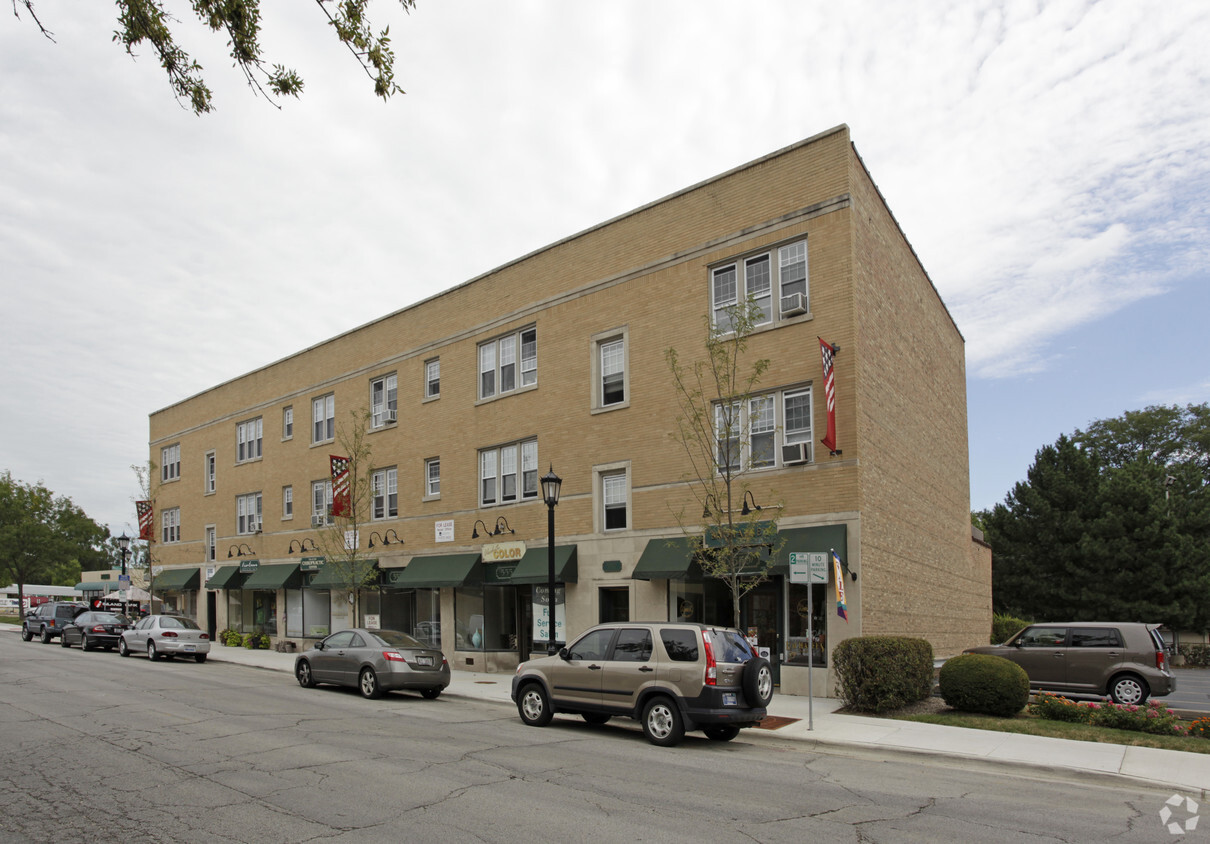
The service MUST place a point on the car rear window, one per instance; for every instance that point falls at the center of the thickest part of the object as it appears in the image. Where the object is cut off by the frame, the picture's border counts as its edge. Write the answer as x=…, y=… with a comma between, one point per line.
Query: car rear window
x=681, y=644
x=169, y=622
x=397, y=639
x=1095, y=637
x=730, y=647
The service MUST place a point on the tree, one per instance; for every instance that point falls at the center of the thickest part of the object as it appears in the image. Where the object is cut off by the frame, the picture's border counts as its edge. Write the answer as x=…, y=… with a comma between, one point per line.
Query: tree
x=146, y=21
x=718, y=414
x=1112, y=523
x=345, y=566
x=44, y=537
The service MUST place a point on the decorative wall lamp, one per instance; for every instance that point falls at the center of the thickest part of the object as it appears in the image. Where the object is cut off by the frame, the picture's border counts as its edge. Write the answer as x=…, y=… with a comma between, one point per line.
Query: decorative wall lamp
x=386, y=540
x=499, y=530
x=241, y=550
x=748, y=497
x=706, y=511
x=475, y=531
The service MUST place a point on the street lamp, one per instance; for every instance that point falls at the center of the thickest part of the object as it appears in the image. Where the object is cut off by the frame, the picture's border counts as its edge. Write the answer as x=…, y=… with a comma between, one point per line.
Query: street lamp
x=124, y=547
x=551, y=483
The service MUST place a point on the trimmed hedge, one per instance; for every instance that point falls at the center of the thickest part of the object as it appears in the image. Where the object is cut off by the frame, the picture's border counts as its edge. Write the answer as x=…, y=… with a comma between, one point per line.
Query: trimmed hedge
x=990, y=685
x=1195, y=655
x=1004, y=626
x=880, y=673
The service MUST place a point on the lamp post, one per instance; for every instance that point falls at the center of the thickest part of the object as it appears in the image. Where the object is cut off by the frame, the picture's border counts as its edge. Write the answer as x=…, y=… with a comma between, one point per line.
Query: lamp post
x=551, y=484
x=124, y=547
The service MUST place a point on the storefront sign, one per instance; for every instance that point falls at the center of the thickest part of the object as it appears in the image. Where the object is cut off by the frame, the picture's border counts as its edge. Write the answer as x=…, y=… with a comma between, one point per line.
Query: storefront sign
x=541, y=612
x=310, y=563
x=371, y=622
x=443, y=531
x=248, y=566
x=808, y=567
x=502, y=552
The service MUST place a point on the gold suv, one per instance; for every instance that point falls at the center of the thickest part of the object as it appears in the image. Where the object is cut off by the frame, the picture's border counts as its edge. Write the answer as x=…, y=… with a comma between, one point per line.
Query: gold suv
x=670, y=676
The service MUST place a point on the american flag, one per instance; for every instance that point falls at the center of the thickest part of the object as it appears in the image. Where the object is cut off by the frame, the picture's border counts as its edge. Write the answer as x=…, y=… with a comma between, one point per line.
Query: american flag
x=146, y=520
x=829, y=389
x=340, y=485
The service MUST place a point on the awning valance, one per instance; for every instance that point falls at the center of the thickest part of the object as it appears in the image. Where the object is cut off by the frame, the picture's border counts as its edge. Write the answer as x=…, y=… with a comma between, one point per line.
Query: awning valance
x=179, y=579
x=673, y=559
x=339, y=576
x=535, y=565
x=280, y=576
x=227, y=577
x=433, y=572
x=666, y=559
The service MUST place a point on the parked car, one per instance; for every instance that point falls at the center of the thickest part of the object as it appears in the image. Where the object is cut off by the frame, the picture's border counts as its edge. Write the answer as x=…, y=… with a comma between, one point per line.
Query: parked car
x=165, y=636
x=1127, y=661
x=374, y=661
x=94, y=629
x=46, y=621
x=671, y=676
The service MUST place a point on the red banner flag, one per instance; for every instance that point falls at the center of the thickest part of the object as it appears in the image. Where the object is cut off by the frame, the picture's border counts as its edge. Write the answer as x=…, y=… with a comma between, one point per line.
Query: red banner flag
x=146, y=520
x=341, y=499
x=829, y=390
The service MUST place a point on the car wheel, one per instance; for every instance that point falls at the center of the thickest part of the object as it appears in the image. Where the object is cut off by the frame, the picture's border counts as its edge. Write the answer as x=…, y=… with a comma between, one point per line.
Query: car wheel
x=721, y=732
x=534, y=706
x=431, y=694
x=152, y=653
x=662, y=722
x=303, y=673
x=63, y=641
x=758, y=682
x=595, y=717
x=45, y=636
x=1129, y=690
x=199, y=657
x=368, y=683
x=122, y=649
x=26, y=635
x=84, y=643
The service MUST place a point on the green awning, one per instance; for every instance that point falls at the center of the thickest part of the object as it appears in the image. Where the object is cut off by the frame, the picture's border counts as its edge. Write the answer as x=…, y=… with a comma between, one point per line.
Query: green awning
x=666, y=559
x=338, y=575
x=433, y=572
x=227, y=577
x=822, y=539
x=178, y=579
x=535, y=565
x=280, y=576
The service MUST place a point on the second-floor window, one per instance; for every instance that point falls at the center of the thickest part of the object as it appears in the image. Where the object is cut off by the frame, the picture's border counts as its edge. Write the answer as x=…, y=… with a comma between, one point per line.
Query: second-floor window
x=287, y=502
x=211, y=543
x=247, y=513
x=170, y=463
x=749, y=432
x=249, y=437
x=383, y=394
x=172, y=524
x=432, y=477
x=613, y=497
x=508, y=473
x=323, y=418
x=508, y=362
x=321, y=503
x=384, y=494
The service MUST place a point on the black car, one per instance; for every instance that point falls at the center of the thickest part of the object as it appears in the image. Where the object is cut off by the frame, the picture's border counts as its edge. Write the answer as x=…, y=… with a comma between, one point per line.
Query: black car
x=48, y=620
x=94, y=629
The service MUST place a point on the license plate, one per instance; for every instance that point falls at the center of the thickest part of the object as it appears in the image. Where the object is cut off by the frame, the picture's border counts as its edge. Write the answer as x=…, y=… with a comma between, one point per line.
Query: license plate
x=729, y=699
x=191, y=647
x=425, y=660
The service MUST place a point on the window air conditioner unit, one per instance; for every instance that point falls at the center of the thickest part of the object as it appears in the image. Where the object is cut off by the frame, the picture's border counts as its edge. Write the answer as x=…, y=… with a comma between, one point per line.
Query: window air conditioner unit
x=390, y=416
x=254, y=526
x=795, y=453
x=794, y=304
x=317, y=521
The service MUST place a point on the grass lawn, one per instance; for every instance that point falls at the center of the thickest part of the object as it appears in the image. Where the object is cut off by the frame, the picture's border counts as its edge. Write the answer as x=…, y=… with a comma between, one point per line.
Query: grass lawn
x=1032, y=726
x=10, y=619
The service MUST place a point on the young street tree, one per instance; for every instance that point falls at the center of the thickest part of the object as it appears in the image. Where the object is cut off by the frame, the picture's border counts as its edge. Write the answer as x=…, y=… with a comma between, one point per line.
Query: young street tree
x=146, y=22
x=44, y=537
x=1111, y=523
x=726, y=430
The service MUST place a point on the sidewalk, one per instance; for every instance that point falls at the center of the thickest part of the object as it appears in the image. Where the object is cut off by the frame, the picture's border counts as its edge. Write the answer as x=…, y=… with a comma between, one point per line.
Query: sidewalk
x=1189, y=772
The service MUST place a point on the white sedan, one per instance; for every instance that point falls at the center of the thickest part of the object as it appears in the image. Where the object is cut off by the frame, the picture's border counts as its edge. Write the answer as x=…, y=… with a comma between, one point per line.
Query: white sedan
x=165, y=635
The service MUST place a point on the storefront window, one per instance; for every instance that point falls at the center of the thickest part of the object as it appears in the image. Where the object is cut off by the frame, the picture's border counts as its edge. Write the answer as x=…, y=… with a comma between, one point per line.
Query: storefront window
x=416, y=612
x=704, y=601
x=804, y=599
x=308, y=612
x=252, y=611
x=485, y=618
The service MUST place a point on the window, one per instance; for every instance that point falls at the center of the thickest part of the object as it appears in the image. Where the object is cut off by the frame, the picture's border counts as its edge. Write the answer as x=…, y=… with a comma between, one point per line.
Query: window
x=287, y=502
x=247, y=513
x=614, y=501
x=172, y=524
x=170, y=463
x=287, y=423
x=211, y=543
x=632, y=645
x=779, y=290
x=432, y=378
x=498, y=361
x=610, y=380
x=248, y=438
x=384, y=494
x=508, y=473
x=321, y=503
x=748, y=431
x=383, y=408
x=323, y=415
x=432, y=477
x=211, y=468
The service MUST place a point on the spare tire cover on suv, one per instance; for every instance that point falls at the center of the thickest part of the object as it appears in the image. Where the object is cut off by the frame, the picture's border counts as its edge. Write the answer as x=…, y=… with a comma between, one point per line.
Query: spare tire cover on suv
x=758, y=682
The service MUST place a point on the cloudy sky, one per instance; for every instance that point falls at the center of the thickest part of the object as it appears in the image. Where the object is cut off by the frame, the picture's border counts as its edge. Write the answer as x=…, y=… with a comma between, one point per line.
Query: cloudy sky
x=1049, y=161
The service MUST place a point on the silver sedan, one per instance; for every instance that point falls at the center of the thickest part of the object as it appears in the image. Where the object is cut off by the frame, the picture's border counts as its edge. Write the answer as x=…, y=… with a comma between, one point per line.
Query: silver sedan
x=374, y=661
x=165, y=636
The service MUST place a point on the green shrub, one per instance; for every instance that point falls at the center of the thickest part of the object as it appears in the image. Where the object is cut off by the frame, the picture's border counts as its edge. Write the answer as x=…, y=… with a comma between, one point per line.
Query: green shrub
x=256, y=640
x=990, y=685
x=231, y=638
x=1154, y=718
x=1004, y=626
x=880, y=673
x=1200, y=728
x=1057, y=708
x=1195, y=655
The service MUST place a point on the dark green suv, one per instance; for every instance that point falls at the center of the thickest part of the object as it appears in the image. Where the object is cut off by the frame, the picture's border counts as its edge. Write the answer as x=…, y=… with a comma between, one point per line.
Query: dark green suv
x=670, y=676
x=47, y=621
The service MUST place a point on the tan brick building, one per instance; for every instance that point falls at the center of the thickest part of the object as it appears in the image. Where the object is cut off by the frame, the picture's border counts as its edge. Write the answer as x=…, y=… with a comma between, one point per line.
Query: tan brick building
x=558, y=359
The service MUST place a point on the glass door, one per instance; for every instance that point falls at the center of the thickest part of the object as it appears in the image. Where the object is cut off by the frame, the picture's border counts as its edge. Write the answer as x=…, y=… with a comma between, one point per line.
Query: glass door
x=760, y=619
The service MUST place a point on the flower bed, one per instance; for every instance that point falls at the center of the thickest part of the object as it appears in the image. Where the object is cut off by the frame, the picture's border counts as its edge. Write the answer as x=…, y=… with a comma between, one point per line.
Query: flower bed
x=1154, y=717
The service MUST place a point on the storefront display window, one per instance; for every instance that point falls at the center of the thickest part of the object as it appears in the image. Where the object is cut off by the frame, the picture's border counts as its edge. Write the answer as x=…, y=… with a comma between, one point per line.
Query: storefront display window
x=805, y=598
x=252, y=611
x=308, y=613
x=485, y=618
x=705, y=601
x=416, y=612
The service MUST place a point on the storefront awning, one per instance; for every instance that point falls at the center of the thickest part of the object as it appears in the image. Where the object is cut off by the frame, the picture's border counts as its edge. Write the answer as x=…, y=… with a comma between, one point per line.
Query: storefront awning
x=666, y=559
x=434, y=572
x=281, y=576
x=535, y=565
x=227, y=577
x=822, y=539
x=339, y=576
x=180, y=579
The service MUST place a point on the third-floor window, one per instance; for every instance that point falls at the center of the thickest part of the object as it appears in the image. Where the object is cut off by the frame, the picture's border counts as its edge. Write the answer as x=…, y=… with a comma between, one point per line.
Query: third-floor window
x=508, y=362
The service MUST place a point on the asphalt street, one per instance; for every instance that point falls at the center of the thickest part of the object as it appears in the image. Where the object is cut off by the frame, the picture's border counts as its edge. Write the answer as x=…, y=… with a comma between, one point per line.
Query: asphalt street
x=100, y=748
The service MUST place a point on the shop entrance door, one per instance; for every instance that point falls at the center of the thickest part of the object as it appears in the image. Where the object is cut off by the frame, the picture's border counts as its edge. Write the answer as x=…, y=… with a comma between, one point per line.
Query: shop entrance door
x=760, y=616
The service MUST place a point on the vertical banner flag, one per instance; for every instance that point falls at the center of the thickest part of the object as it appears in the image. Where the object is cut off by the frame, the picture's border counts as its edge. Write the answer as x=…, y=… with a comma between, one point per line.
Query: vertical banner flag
x=341, y=505
x=146, y=520
x=829, y=389
x=841, y=609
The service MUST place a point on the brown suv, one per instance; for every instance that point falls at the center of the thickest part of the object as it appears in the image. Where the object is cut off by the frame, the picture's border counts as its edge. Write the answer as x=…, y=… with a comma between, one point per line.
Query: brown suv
x=670, y=676
x=1126, y=661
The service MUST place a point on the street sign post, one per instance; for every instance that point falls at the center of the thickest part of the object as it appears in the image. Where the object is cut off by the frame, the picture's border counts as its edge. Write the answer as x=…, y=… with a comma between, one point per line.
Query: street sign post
x=809, y=567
